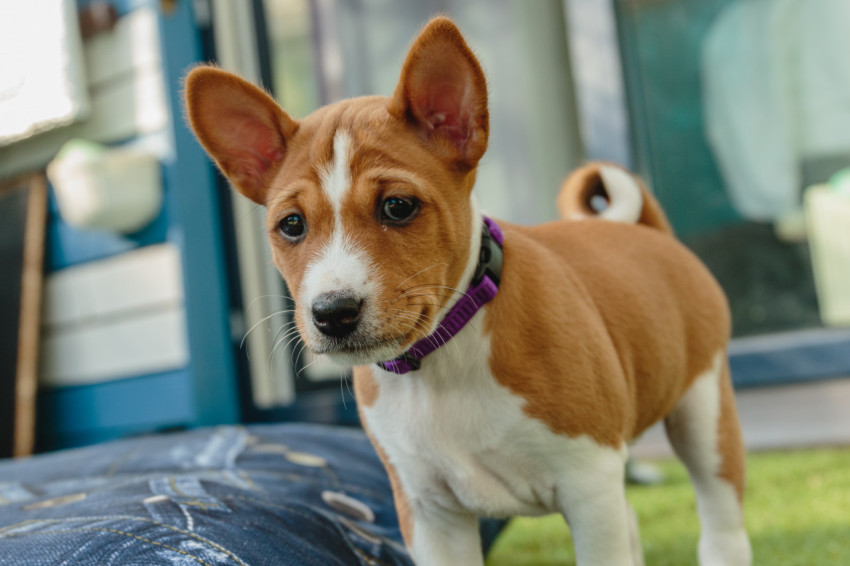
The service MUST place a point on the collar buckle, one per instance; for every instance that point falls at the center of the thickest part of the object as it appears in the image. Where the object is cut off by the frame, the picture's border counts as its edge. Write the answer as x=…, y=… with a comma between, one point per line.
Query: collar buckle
x=490, y=258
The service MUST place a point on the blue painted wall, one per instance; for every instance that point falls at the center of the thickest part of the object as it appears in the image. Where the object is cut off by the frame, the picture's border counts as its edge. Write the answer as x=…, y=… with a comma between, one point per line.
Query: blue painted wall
x=205, y=392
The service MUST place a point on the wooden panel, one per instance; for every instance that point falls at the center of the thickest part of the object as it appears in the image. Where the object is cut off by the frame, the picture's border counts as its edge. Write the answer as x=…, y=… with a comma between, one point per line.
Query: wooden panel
x=120, y=348
x=142, y=279
x=23, y=207
x=116, y=318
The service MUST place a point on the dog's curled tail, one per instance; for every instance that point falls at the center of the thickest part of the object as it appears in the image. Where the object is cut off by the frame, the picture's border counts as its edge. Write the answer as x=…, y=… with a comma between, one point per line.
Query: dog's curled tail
x=609, y=192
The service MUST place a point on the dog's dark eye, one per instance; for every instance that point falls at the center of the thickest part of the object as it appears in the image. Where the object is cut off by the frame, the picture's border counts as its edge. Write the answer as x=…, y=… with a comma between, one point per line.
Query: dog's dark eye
x=292, y=227
x=399, y=209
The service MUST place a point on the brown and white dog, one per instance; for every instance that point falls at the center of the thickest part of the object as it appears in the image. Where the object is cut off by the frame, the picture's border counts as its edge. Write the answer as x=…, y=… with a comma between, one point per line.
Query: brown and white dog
x=599, y=328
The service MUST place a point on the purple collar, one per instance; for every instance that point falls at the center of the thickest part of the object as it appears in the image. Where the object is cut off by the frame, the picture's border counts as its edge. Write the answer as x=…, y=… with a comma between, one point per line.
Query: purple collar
x=484, y=286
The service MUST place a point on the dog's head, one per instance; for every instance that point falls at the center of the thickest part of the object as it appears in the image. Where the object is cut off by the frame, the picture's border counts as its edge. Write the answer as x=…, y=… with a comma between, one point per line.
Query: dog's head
x=369, y=209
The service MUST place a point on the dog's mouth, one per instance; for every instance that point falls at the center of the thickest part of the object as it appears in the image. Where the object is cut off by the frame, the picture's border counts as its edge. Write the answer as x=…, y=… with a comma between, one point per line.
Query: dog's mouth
x=373, y=342
x=358, y=352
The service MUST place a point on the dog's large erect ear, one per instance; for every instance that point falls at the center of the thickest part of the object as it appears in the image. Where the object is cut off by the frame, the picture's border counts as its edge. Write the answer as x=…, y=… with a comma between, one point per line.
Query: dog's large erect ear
x=240, y=126
x=443, y=94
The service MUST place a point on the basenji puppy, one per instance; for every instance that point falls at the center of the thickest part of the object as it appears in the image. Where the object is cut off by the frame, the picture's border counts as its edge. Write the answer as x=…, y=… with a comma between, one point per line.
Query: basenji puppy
x=500, y=369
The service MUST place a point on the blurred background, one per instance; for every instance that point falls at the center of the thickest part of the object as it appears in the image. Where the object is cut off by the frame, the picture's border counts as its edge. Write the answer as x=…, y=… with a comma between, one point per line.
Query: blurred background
x=137, y=292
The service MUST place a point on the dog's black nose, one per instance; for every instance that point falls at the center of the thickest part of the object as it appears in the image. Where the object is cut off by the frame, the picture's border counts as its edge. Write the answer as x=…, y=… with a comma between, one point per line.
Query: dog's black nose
x=336, y=315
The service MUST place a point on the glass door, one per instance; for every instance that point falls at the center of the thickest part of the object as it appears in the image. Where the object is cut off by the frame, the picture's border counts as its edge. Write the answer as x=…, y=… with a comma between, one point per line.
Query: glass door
x=741, y=121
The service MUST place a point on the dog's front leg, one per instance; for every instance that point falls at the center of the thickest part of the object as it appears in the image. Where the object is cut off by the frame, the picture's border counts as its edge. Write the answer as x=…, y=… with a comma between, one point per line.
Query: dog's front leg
x=599, y=523
x=442, y=537
x=592, y=497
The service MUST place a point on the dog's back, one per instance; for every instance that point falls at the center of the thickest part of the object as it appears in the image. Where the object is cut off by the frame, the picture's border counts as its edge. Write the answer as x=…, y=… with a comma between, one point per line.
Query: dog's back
x=626, y=304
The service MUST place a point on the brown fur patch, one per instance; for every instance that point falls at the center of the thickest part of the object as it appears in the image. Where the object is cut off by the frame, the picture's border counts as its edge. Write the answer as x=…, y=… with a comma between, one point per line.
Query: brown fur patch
x=730, y=444
x=602, y=326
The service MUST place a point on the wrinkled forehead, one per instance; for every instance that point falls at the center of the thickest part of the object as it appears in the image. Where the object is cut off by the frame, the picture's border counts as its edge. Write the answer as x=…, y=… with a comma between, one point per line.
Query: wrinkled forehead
x=354, y=140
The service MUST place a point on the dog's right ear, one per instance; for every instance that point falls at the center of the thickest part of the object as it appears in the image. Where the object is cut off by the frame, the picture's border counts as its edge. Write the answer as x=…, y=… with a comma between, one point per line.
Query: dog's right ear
x=241, y=127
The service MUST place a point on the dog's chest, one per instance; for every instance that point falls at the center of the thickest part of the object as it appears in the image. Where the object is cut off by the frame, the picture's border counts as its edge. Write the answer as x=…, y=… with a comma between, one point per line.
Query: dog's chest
x=459, y=438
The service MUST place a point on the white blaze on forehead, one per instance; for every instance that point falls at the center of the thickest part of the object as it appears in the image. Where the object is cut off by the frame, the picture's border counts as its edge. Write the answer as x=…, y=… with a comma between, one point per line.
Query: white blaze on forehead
x=336, y=175
x=341, y=266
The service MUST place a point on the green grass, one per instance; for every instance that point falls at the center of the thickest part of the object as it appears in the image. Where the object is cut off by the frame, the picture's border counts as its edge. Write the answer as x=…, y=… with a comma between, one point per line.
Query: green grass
x=797, y=511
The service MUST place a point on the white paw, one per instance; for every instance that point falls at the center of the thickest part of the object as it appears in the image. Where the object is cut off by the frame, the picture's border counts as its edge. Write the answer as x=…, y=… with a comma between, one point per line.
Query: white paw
x=725, y=549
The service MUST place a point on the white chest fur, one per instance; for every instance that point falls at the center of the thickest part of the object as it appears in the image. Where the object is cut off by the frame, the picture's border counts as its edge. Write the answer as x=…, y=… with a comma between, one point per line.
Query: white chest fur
x=461, y=440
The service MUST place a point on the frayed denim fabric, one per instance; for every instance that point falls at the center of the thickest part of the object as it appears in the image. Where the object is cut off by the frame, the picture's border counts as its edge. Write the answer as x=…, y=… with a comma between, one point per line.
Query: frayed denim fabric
x=283, y=495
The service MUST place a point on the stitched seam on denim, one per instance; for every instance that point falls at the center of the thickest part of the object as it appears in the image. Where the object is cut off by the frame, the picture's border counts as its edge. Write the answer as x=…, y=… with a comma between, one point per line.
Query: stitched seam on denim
x=374, y=494
x=367, y=558
x=131, y=535
x=177, y=490
x=125, y=517
x=345, y=532
x=313, y=520
x=120, y=462
x=195, y=502
x=237, y=448
x=291, y=508
x=246, y=477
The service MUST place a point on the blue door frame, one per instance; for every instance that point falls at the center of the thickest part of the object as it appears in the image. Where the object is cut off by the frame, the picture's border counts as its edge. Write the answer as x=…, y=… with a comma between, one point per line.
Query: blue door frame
x=205, y=392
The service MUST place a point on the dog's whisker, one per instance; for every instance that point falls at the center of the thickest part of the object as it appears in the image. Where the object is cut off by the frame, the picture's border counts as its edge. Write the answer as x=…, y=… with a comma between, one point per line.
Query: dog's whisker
x=290, y=335
x=292, y=338
x=419, y=273
x=303, y=369
x=283, y=328
x=284, y=333
x=411, y=314
x=264, y=319
x=418, y=287
x=416, y=319
x=342, y=391
x=300, y=351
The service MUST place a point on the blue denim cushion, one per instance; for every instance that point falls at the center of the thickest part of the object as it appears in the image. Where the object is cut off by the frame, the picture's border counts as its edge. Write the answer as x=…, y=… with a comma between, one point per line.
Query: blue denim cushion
x=293, y=494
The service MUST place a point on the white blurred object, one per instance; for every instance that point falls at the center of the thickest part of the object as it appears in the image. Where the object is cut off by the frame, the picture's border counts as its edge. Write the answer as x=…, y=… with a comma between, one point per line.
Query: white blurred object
x=43, y=83
x=791, y=227
x=828, y=220
x=776, y=86
x=126, y=85
x=114, y=318
x=101, y=188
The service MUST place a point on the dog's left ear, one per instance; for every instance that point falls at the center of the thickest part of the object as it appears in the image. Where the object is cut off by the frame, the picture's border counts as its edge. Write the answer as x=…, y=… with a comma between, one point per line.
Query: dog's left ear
x=443, y=94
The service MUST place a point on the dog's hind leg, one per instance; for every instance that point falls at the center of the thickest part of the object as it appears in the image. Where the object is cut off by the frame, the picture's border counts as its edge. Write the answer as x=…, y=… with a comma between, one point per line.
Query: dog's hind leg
x=634, y=536
x=706, y=435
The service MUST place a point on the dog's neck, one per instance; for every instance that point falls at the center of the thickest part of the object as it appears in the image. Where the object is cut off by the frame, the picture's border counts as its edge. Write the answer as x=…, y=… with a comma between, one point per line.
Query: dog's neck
x=477, y=286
